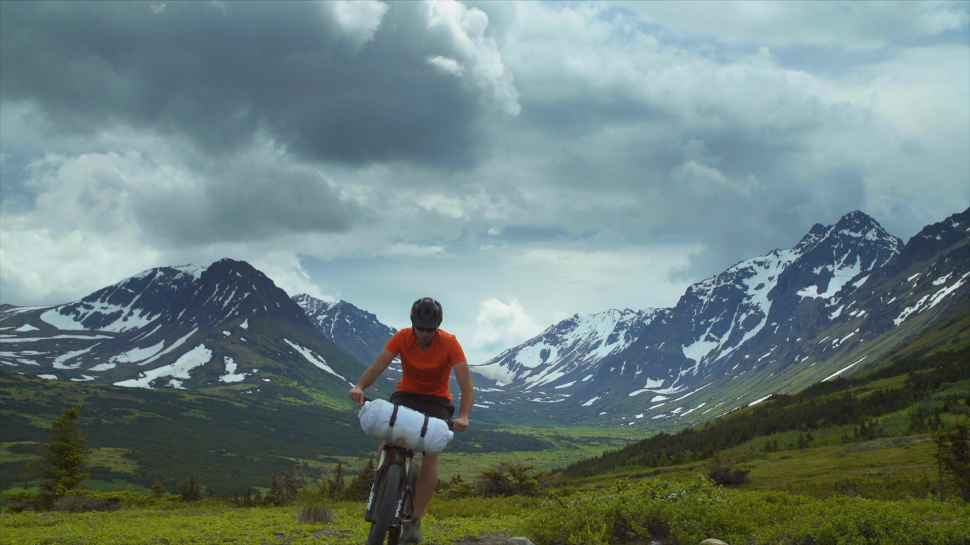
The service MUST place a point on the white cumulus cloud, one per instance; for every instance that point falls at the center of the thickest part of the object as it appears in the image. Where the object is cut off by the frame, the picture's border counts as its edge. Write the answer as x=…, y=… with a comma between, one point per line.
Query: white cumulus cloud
x=286, y=271
x=358, y=19
x=501, y=325
x=447, y=65
x=479, y=54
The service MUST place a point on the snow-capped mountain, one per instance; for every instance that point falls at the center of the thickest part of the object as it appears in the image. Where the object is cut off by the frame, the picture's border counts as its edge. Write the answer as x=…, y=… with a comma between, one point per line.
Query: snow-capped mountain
x=177, y=327
x=844, y=295
x=127, y=305
x=356, y=331
x=564, y=354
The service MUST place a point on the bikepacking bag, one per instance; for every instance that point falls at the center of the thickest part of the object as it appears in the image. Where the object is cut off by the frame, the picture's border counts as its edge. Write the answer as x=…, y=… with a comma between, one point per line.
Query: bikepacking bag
x=404, y=427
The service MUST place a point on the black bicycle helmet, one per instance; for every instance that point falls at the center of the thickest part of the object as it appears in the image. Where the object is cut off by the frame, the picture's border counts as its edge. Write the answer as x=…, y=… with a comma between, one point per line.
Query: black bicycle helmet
x=426, y=313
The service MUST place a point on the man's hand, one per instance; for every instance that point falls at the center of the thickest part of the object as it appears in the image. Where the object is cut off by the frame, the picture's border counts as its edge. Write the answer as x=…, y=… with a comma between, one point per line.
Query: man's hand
x=357, y=395
x=459, y=424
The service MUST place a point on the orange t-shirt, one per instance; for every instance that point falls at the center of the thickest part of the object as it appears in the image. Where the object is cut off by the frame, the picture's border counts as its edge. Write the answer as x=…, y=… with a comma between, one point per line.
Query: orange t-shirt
x=426, y=371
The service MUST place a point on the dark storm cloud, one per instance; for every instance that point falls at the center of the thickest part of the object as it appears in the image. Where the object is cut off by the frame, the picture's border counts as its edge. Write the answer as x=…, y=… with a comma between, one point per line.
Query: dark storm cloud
x=222, y=73
x=578, y=116
x=741, y=187
x=248, y=199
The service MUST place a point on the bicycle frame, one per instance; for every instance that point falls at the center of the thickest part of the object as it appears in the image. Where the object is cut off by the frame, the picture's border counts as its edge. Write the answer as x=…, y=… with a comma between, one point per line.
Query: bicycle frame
x=387, y=519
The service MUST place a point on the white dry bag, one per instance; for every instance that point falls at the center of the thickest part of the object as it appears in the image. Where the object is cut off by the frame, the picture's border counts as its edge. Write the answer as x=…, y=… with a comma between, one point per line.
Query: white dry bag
x=404, y=427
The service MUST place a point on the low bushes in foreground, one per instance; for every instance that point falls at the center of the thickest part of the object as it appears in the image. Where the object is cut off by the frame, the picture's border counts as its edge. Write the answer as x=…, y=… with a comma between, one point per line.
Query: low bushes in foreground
x=687, y=514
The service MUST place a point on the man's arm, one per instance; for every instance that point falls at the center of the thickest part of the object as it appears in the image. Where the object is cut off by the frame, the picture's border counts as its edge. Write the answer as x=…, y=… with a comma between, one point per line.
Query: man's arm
x=370, y=375
x=464, y=376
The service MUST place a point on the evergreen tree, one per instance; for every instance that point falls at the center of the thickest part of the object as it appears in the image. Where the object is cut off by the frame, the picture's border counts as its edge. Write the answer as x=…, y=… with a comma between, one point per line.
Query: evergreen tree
x=64, y=456
x=258, y=497
x=953, y=452
x=291, y=483
x=337, y=487
x=190, y=490
x=158, y=489
x=276, y=494
x=360, y=486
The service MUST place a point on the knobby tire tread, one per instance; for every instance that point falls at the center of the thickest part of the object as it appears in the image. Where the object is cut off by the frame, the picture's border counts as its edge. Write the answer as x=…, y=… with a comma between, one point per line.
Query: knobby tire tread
x=394, y=534
x=386, y=504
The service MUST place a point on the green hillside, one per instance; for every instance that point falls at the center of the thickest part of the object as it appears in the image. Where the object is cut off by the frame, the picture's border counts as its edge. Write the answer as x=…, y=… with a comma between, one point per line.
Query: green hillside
x=234, y=436
x=866, y=435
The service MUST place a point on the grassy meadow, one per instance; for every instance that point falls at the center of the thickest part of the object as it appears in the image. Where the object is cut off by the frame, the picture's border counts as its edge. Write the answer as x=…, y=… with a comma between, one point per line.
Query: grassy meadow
x=815, y=479
x=837, y=493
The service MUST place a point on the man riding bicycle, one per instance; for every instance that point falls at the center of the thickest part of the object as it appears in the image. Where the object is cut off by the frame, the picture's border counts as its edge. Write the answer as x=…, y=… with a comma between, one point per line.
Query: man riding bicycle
x=427, y=356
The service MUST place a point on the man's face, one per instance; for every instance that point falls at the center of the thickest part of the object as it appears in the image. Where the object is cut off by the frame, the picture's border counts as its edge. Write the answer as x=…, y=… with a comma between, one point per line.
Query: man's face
x=425, y=337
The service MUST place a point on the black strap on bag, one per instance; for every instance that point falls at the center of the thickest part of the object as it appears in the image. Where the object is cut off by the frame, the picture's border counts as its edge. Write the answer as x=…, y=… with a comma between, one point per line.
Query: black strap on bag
x=394, y=416
x=424, y=428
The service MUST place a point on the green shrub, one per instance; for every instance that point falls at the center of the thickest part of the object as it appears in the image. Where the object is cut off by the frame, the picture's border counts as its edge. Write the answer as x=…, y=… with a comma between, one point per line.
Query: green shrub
x=19, y=501
x=725, y=473
x=316, y=512
x=686, y=514
x=509, y=479
x=78, y=503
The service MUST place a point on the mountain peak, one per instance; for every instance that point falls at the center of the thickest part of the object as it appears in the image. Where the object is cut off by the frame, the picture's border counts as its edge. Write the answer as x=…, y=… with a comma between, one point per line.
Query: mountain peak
x=858, y=222
x=357, y=331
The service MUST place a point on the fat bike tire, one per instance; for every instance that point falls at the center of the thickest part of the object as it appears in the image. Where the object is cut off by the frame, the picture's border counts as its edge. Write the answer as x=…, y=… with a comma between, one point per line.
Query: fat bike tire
x=407, y=509
x=386, y=505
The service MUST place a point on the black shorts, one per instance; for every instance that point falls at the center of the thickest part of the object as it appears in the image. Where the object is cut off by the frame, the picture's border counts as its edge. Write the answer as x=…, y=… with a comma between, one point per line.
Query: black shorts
x=433, y=406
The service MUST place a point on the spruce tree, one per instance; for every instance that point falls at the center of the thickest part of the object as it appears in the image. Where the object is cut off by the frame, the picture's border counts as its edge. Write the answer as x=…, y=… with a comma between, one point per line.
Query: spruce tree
x=276, y=494
x=953, y=444
x=64, y=456
x=190, y=490
x=338, y=486
x=158, y=489
x=291, y=483
x=360, y=486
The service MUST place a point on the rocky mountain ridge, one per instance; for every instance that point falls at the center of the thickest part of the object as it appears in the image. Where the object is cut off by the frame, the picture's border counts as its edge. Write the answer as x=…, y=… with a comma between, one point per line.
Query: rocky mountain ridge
x=178, y=327
x=357, y=331
x=842, y=296
x=771, y=324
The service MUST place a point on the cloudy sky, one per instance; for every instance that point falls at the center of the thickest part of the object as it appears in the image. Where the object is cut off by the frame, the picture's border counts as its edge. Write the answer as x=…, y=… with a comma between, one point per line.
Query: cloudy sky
x=520, y=162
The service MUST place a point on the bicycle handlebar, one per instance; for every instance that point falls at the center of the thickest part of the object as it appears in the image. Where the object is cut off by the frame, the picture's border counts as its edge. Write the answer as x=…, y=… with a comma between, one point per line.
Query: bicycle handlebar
x=450, y=422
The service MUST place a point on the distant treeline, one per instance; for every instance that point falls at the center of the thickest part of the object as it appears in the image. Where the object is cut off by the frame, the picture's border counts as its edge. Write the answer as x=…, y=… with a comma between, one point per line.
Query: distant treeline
x=819, y=406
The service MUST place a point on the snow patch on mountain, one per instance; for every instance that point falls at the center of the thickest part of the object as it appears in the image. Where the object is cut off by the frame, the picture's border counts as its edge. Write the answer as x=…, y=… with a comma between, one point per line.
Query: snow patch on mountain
x=137, y=354
x=314, y=359
x=231, y=375
x=35, y=339
x=844, y=369
x=175, y=345
x=197, y=357
x=59, y=362
x=841, y=275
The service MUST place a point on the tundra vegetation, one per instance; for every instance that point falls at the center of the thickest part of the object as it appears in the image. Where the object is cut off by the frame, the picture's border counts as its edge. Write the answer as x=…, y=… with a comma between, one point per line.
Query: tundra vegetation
x=878, y=458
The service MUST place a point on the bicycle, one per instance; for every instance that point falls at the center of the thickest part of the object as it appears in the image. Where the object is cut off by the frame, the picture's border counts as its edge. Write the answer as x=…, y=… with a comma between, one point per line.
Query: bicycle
x=391, y=501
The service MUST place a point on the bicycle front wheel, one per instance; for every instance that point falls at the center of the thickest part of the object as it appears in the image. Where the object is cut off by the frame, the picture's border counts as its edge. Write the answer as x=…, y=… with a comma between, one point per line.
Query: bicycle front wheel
x=385, y=505
x=407, y=508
